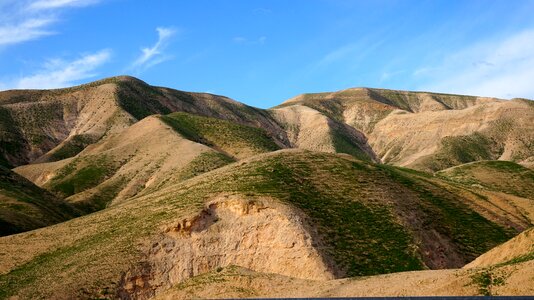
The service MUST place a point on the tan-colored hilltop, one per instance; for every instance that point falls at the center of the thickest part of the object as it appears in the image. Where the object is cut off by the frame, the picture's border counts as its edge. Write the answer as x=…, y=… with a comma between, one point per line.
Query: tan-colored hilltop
x=429, y=131
x=50, y=125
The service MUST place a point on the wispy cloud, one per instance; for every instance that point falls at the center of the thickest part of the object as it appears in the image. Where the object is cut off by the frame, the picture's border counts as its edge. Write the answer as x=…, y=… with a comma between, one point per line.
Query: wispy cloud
x=154, y=55
x=387, y=75
x=243, y=40
x=55, y=4
x=29, y=29
x=500, y=68
x=57, y=73
x=26, y=20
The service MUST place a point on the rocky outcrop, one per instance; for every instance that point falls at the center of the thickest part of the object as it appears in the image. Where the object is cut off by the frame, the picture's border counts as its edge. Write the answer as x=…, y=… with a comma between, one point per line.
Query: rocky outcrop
x=258, y=234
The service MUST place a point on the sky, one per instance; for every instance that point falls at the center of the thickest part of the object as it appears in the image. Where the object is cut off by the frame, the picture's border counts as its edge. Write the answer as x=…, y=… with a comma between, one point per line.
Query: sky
x=265, y=52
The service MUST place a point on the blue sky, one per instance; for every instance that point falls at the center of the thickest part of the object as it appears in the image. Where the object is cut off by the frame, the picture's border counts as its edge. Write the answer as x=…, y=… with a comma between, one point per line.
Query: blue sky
x=264, y=52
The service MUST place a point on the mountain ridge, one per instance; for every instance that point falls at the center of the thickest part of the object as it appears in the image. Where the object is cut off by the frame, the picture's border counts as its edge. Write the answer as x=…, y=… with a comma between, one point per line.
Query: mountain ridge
x=182, y=191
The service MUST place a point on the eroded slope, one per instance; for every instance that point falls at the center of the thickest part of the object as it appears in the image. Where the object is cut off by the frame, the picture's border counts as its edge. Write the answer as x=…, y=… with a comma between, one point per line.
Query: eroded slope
x=429, y=131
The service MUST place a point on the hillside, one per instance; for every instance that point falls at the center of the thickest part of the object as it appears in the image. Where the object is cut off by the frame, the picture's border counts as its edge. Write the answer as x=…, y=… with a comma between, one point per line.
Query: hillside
x=50, y=125
x=236, y=282
x=438, y=130
x=405, y=221
x=183, y=195
x=24, y=206
x=517, y=250
x=146, y=156
x=501, y=176
x=429, y=131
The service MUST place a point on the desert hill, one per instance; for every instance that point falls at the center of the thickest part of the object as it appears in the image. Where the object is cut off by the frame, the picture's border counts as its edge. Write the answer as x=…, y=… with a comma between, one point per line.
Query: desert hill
x=429, y=131
x=405, y=221
x=49, y=125
x=356, y=192
x=151, y=154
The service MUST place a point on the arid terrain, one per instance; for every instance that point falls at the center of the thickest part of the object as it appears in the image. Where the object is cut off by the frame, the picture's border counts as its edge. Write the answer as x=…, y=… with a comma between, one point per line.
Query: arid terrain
x=119, y=189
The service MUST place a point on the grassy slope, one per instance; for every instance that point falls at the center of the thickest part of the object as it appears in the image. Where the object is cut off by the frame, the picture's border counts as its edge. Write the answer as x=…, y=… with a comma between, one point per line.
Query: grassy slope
x=10, y=143
x=25, y=206
x=235, y=139
x=503, y=176
x=355, y=206
x=81, y=174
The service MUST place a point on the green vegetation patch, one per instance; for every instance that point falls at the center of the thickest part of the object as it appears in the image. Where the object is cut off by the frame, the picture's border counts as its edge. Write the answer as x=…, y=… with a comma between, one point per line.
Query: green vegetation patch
x=101, y=198
x=457, y=150
x=205, y=162
x=503, y=176
x=25, y=206
x=485, y=280
x=229, y=136
x=82, y=174
x=403, y=100
x=11, y=141
x=343, y=143
x=72, y=147
x=140, y=100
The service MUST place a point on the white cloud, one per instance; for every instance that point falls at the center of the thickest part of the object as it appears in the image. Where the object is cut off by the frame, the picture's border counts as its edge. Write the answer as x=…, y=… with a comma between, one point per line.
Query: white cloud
x=57, y=73
x=154, y=55
x=26, y=20
x=51, y=4
x=501, y=68
x=29, y=29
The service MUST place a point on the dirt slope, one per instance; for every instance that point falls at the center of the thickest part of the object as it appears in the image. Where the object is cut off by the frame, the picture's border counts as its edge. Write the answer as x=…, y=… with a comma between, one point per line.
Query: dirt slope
x=236, y=282
x=311, y=130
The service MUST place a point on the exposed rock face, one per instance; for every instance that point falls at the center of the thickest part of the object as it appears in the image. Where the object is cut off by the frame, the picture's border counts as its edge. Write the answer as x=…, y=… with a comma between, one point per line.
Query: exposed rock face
x=257, y=234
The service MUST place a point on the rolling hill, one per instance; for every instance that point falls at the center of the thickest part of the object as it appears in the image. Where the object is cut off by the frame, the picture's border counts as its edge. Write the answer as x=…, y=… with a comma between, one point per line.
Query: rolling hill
x=145, y=191
x=429, y=131
x=341, y=217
